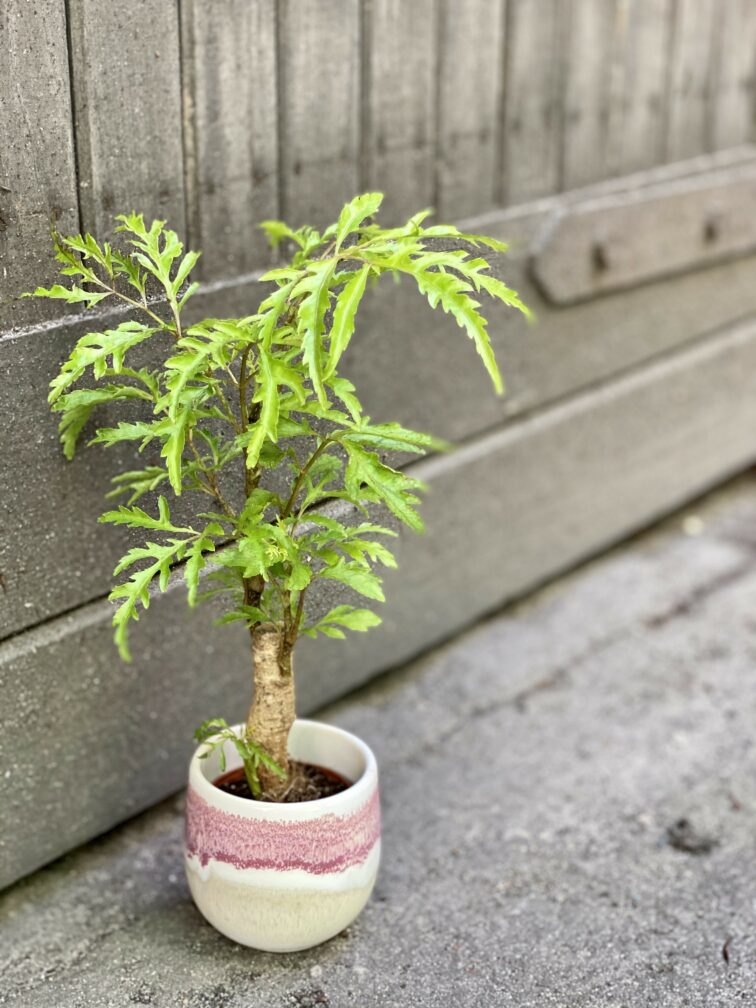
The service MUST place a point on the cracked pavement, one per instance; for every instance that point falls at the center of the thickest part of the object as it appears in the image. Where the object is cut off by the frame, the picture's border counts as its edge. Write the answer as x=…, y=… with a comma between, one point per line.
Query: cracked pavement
x=569, y=795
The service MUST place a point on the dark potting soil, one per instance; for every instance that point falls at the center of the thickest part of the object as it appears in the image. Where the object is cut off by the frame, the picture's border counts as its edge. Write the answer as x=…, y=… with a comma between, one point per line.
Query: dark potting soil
x=308, y=782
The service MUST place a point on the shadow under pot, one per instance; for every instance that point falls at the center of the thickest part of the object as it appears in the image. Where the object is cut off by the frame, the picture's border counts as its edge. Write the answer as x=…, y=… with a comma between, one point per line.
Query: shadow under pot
x=281, y=877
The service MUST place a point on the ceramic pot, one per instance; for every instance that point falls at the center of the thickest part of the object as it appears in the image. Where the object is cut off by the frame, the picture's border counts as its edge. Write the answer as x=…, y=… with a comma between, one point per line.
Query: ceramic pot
x=283, y=877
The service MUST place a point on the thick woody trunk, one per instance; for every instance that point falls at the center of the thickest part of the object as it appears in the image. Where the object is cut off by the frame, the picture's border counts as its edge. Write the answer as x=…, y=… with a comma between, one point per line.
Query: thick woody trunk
x=273, y=710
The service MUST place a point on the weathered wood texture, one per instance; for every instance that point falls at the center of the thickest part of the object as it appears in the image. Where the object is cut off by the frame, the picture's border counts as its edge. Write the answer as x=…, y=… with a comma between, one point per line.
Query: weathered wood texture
x=469, y=104
x=399, y=103
x=319, y=56
x=609, y=462
x=638, y=83
x=733, y=105
x=127, y=108
x=534, y=39
x=217, y=114
x=587, y=65
x=37, y=175
x=691, y=73
x=612, y=242
x=230, y=128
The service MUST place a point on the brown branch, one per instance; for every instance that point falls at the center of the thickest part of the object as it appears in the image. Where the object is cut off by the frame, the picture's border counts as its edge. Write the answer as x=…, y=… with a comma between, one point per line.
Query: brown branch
x=253, y=589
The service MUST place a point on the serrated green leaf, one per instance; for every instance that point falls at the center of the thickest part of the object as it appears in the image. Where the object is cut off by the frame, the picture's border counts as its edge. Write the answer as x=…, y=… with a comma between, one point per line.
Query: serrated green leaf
x=332, y=631
x=99, y=351
x=392, y=437
x=452, y=293
x=355, y=212
x=476, y=239
x=136, y=591
x=77, y=407
x=347, y=303
x=356, y=577
x=266, y=426
x=299, y=576
x=135, y=517
x=311, y=321
x=367, y=551
x=173, y=447
x=270, y=312
x=72, y=295
x=197, y=558
x=140, y=430
x=186, y=265
x=260, y=548
x=276, y=231
x=395, y=489
x=70, y=427
x=499, y=290
x=138, y=482
x=157, y=247
x=349, y=617
x=255, y=507
x=246, y=614
x=207, y=346
x=281, y=274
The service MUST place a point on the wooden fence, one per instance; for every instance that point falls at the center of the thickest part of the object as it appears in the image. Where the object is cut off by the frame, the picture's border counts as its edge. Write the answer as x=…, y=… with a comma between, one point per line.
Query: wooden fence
x=609, y=140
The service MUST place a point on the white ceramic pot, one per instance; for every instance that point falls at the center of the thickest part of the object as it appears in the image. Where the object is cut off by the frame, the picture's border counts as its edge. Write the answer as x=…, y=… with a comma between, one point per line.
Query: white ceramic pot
x=283, y=877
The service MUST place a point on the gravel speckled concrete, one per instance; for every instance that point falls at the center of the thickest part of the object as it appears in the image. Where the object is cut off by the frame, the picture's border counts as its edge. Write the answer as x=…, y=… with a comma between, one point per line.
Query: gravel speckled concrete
x=533, y=773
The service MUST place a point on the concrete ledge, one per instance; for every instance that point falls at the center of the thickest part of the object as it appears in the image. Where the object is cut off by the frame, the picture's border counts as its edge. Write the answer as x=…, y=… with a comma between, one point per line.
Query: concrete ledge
x=532, y=771
x=504, y=514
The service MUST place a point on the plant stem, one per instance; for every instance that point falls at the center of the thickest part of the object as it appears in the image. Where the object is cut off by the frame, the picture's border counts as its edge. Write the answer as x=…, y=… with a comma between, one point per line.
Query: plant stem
x=176, y=316
x=273, y=706
x=227, y=407
x=136, y=304
x=300, y=479
x=294, y=630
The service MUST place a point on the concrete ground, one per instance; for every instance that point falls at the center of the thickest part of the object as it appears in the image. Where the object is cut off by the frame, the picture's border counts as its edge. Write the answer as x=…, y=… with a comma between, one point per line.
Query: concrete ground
x=569, y=808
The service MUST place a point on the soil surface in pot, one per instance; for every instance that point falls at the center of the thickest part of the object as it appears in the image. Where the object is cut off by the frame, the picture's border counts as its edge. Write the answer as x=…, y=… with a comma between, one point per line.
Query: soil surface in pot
x=308, y=783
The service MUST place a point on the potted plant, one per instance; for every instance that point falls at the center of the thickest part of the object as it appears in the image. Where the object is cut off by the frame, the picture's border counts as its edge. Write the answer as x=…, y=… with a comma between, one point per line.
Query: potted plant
x=282, y=814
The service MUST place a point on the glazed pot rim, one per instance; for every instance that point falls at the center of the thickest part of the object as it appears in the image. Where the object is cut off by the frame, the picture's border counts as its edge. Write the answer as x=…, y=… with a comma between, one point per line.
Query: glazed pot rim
x=317, y=806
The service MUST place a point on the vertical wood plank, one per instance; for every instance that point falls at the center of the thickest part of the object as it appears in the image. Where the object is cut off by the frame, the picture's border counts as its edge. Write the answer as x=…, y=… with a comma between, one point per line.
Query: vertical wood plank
x=230, y=130
x=37, y=170
x=469, y=90
x=319, y=102
x=128, y=110
x=399, y=104
x=733, y=107
x=690, y=80
x=586, y=99
x=638, y=85
x=533, y=98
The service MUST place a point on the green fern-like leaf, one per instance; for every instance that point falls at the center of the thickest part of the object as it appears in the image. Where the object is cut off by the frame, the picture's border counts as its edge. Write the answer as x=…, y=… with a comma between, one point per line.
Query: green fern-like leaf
x=343, y=318
x=355, y=212
x=312, y=310
x=453, y=295
x=136, y=591
x=396, y=490
x=99, y=351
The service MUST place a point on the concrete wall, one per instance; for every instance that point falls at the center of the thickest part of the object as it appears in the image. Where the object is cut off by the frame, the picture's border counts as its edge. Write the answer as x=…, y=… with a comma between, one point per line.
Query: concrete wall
x=607, y=141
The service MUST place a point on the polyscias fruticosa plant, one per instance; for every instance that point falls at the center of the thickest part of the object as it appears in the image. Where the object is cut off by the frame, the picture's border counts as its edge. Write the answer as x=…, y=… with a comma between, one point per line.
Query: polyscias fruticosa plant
x=259, y=393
